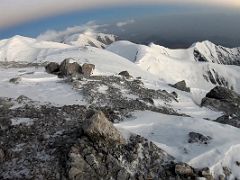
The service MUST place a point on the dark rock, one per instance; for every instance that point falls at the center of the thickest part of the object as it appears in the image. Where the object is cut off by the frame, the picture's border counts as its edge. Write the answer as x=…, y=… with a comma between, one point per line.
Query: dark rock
x=87, y=69
x=227, y=172
x=198, y=138
x=174, y=94
x=230, y=120
x=52, y=68
x=238, y=163
x=222, y=93
x=15, y=80
x=69, y=68
x=222, y=99
x=181, y=86
x=99, y=127
x=125, y=74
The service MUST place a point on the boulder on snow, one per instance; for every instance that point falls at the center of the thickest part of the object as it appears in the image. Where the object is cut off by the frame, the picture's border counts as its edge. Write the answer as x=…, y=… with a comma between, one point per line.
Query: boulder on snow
x=15, y=80
x=125, y=74
x=198, y=138
x=68, y=68
x=181, y=86
x=87, y=69
x=98, y=127
x=52, y=68
x=222, y=93
x=222, y=99
x=230, y=120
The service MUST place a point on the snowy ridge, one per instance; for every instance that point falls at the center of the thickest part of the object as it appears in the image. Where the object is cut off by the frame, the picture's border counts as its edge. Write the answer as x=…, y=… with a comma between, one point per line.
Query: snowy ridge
x=176, y=65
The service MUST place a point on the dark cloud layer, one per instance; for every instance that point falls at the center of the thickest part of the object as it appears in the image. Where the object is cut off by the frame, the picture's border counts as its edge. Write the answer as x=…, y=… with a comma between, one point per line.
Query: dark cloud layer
x=182, y=30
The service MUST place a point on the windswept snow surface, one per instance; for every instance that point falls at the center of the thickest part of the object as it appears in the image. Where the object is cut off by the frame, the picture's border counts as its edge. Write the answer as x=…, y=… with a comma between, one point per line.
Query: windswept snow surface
x=38, y=86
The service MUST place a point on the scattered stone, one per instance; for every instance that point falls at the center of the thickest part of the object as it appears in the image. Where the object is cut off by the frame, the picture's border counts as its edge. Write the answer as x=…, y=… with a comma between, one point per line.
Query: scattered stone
x=181, y=86
x=52, y=68
x=198, y=138
x=68, y=68
x=15, y=80
x=87, y=69
x=125, y=74
x=99, y=127
x=184, y=170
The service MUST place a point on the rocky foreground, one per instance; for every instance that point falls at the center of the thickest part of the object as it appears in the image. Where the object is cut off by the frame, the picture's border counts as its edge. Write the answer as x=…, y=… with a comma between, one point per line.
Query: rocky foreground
x=76, y=142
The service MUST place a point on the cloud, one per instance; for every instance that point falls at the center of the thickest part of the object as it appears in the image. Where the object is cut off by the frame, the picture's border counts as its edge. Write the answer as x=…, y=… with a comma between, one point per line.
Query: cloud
x=18, y=11
x=124, y=23
x=58, y=36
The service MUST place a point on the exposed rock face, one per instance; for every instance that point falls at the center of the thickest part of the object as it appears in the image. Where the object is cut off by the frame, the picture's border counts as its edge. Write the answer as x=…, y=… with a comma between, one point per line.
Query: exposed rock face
x=181, y=86
x=52, y=68
x=15, y=80
x=198, y=138
x=68, y=68
x=125, y=74
x=223, y=99
x=216, y=79
x=99, y=127
x=87, y=69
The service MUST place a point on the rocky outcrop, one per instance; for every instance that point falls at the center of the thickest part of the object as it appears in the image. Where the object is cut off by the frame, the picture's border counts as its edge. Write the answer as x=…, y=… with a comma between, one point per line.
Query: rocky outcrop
x=198, y=138
x=181, y=86
x=87, y=69
x=52, y=68
x=223, y=99
x=77, y=142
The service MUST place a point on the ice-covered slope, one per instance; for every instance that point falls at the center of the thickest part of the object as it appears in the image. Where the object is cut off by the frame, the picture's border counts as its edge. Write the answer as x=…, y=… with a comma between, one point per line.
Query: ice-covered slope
x=176, y=65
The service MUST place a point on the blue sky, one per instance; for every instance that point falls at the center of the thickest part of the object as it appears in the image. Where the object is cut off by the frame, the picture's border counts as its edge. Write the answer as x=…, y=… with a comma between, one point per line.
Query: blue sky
x=102, y=15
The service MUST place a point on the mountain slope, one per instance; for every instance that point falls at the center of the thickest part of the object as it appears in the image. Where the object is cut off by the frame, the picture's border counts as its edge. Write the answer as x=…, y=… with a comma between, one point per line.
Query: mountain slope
x=176, y=65
x=145, y=103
